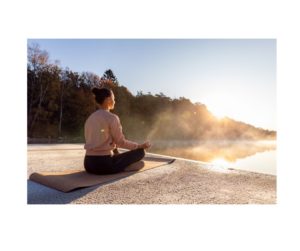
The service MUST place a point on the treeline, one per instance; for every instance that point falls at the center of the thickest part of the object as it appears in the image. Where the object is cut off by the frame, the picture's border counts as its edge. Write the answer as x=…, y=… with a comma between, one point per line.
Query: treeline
x=60, y=100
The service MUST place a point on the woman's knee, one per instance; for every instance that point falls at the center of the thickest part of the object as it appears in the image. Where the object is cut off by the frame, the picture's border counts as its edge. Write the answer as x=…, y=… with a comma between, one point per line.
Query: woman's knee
x=141, y=152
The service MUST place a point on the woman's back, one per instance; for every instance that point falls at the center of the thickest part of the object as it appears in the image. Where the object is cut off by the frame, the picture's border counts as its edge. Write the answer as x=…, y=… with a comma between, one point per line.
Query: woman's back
x=98, y=139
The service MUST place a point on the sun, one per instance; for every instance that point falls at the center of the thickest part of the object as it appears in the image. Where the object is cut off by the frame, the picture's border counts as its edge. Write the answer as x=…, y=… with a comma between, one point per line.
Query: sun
x=219, y=116
x=218, y=110
x=218, y=113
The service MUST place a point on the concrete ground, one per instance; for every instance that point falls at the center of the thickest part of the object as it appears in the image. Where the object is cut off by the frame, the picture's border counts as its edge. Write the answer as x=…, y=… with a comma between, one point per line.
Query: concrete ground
x=182, y=182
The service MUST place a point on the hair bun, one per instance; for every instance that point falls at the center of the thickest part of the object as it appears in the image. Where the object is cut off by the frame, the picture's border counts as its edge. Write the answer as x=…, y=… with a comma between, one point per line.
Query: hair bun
x=101, y=94
x=95, y=91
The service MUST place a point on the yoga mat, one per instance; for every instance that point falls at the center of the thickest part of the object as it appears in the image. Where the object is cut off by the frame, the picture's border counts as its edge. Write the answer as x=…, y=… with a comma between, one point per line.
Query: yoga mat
x=70, y=180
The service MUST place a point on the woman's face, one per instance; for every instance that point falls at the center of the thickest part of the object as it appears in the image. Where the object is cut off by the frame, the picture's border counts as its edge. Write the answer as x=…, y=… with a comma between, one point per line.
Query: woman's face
x=111, y=101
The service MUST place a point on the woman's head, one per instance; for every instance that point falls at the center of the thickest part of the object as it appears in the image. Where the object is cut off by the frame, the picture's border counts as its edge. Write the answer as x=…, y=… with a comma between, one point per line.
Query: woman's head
x=104, y=97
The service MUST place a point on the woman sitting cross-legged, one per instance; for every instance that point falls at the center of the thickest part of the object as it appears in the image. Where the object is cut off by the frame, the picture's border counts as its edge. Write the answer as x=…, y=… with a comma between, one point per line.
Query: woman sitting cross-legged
x=103, y=133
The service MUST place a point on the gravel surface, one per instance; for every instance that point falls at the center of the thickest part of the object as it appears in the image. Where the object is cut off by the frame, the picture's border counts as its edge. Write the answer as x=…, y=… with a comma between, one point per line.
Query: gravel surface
x=182, y=182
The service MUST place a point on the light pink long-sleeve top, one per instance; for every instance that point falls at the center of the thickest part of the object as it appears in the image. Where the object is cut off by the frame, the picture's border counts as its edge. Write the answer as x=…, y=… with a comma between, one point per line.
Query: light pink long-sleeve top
x=103, y=132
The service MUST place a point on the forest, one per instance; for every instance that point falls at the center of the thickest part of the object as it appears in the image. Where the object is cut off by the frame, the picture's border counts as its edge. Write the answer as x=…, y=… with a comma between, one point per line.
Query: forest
x=59, y=101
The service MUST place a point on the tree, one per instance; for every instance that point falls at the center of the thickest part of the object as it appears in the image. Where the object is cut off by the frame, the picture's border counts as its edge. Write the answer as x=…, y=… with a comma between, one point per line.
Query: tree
x=90, y=79
x=64, y=79
x=40, y=74
x=109, y=75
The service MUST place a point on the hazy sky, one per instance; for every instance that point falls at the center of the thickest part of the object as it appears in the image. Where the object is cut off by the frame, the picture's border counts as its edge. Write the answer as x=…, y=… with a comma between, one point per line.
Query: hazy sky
x=232, y=77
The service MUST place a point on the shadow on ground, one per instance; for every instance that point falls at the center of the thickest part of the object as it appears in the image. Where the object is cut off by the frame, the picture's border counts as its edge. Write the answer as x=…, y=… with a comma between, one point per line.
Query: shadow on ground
x=39, y=194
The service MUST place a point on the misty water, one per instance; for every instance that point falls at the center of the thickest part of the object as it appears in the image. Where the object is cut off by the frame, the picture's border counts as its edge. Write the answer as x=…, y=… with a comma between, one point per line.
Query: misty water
x=254, y=156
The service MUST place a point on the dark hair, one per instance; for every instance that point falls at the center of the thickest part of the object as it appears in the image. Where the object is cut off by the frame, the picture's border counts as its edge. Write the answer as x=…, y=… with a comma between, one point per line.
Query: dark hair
x=101, y=94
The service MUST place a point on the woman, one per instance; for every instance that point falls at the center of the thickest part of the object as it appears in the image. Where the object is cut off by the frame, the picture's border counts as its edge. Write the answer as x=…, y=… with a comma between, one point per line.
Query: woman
x=103, y=133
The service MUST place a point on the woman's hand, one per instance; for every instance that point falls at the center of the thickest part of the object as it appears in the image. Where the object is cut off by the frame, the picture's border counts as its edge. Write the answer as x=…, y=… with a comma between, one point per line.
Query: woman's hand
x=145, y=145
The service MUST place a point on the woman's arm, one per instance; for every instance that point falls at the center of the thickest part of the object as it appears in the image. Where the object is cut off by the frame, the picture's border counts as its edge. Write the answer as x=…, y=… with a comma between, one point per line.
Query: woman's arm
x=118, y=136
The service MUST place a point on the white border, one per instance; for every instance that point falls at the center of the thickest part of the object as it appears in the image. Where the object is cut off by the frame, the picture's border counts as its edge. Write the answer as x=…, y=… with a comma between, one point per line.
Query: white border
x=189, y=227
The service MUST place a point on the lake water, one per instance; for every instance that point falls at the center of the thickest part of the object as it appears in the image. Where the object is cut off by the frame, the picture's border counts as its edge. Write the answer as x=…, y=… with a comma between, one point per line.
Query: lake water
x=254, y=156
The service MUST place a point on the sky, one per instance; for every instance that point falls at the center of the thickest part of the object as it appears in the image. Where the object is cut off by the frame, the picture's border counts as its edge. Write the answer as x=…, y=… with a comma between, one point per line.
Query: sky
x=232, y=77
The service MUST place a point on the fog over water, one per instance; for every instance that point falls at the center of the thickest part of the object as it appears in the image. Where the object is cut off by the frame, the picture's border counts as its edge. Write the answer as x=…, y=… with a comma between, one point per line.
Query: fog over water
x=256, y=156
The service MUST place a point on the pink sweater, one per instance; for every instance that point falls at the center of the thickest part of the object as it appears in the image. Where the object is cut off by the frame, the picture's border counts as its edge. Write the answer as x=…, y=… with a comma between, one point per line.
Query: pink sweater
x=103, y=132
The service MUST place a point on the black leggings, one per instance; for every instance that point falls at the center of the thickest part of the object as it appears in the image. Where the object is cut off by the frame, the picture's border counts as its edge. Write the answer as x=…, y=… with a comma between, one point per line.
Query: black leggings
x=112, y=164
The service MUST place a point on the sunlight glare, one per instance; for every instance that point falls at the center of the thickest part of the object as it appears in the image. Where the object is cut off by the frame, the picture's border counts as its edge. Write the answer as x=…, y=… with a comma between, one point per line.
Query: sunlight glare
x=221, y=163
x=218, y=111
